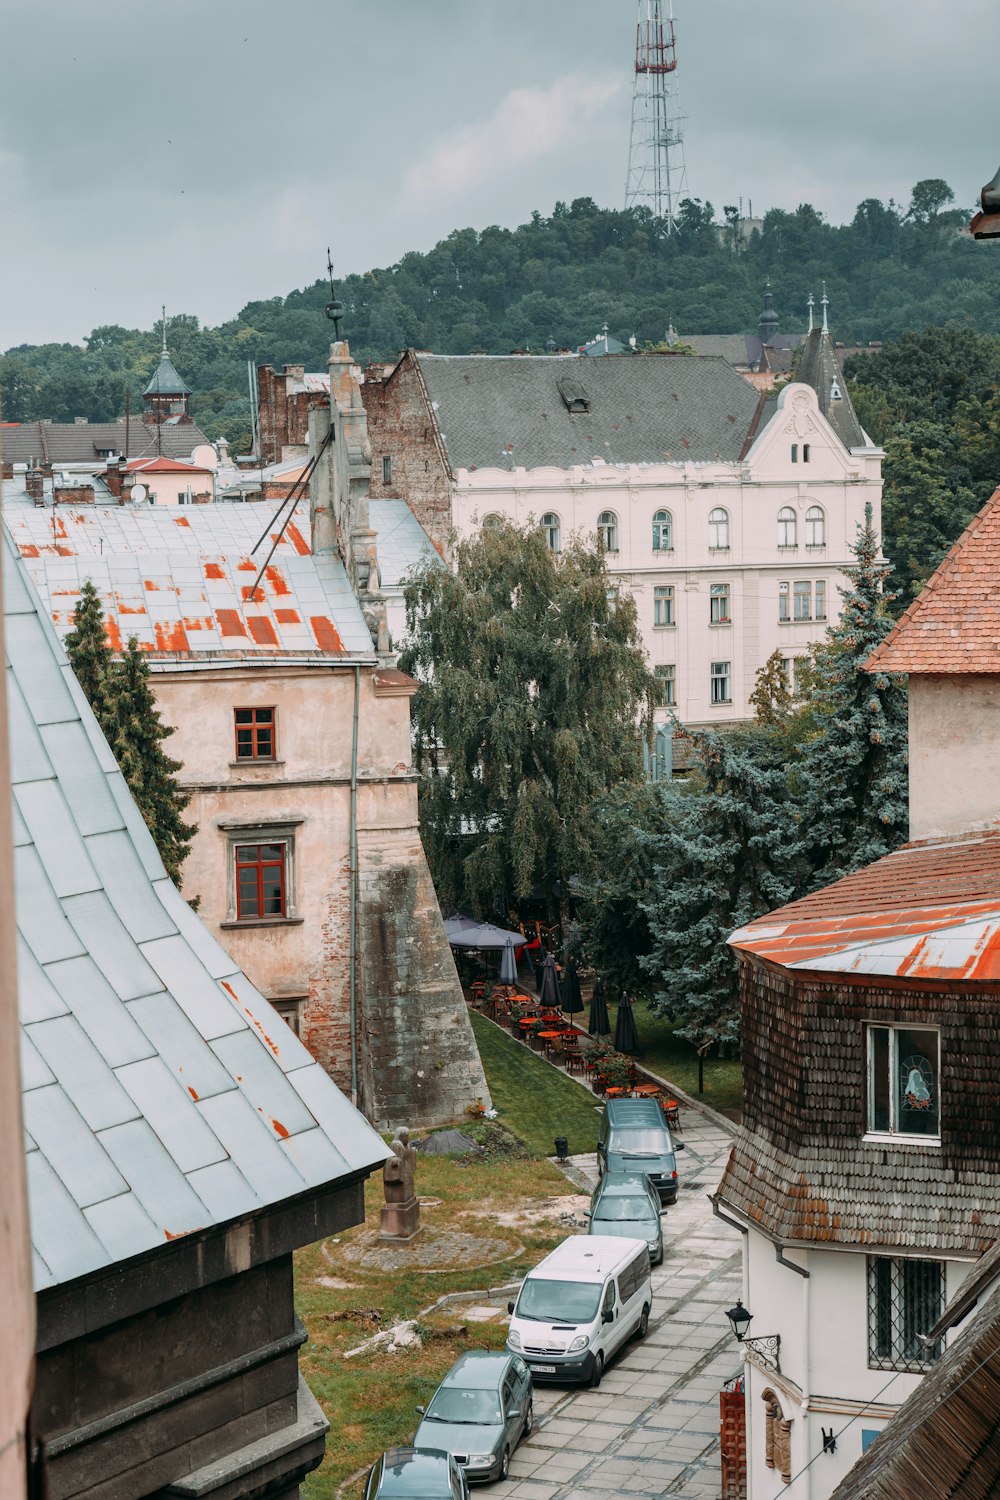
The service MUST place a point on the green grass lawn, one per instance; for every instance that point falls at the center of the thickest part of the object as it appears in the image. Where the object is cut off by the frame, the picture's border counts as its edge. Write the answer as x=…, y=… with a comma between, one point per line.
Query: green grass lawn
x=533, y=1099
x=677, y=1061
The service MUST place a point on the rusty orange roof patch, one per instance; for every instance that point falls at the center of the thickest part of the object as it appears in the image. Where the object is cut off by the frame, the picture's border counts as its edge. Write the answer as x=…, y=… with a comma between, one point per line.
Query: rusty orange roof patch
x=262, y=630
x=288, y=617
x=276, y=579
x=230, y=622
x=113, y=634
x=181, y=521
x=298, y=541
x=327, y=638
x=213, y=570
x=170, y=636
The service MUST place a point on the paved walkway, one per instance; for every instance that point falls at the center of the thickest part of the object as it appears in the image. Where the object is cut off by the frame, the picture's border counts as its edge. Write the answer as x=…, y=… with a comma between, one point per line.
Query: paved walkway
x=653, y=1426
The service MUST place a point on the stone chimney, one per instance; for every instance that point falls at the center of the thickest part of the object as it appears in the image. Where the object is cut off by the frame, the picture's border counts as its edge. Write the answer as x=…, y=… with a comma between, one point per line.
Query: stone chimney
x=338, y=490
x=295, y=372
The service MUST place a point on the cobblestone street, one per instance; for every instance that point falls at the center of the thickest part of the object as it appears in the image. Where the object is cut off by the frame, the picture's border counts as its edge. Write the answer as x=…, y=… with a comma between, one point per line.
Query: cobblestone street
x=653, y=1426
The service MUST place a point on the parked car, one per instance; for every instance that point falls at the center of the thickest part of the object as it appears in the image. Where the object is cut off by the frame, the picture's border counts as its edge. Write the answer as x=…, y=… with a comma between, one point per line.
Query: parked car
x=580, y=1305
x=634, y=1137
x=480, y=1412
x=416, y=1474
x=624, y=1203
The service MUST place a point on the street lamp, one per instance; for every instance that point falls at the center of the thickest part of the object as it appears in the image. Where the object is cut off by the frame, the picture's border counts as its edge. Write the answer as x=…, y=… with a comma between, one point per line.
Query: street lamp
x=766, y=1347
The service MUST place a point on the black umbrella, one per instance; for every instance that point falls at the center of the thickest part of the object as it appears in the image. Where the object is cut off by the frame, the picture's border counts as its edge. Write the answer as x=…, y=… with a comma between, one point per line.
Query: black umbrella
x=549, y=994
x=626, y=1036
x=572, y=999
x=600, y=1023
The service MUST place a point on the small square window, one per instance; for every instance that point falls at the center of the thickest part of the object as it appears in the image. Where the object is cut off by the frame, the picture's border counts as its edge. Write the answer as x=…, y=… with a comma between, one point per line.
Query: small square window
x=254, y=733
x=720, y=682
x=290, y=1010
x=665, y=677
x=663, y=604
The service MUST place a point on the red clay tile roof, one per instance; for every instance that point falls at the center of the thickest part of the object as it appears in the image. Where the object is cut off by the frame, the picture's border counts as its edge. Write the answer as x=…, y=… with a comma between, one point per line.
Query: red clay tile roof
x=954, y=624
x=929, y=911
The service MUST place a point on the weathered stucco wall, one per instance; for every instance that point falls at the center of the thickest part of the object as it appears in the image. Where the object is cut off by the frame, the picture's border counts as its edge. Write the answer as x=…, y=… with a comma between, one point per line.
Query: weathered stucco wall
x=954, y=766
x=409, y=1004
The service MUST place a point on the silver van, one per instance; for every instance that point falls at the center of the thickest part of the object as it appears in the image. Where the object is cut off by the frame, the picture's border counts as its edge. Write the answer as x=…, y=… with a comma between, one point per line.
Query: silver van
x=579, y=1306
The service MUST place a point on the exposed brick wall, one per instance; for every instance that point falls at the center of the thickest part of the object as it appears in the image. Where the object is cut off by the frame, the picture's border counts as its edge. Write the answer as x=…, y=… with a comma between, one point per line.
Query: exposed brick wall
x=284, y=415
x=401, y=427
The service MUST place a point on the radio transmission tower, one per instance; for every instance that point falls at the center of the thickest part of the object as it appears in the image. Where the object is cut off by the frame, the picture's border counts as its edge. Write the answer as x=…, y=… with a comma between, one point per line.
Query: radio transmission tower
x=656, y=172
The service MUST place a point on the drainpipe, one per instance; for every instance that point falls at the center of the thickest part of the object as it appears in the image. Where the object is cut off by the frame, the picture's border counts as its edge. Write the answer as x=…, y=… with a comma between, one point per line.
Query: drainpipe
x=354, y=890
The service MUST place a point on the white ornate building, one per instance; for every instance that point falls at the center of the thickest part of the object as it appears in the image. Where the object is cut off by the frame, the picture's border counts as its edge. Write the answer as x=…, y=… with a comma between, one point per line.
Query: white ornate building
x=729, y=515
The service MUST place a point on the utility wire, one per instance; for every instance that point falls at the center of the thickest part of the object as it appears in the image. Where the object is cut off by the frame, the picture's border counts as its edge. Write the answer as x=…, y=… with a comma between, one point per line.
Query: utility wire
x=291, y=500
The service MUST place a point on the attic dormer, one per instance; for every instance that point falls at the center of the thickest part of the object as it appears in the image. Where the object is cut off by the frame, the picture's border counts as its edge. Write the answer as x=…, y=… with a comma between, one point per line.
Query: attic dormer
x=574, y=395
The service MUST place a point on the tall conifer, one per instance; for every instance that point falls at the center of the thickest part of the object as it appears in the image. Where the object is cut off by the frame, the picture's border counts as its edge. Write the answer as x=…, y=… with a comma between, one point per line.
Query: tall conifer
x=90, y=655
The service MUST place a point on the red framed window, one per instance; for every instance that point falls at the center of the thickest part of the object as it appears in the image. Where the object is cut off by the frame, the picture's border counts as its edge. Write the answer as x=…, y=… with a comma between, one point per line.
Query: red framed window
x=254, y=733
x=260, y=881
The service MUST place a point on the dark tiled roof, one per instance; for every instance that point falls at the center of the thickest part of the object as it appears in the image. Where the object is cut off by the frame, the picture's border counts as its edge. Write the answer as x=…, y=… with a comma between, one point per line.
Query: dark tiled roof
x=819, y=368
x=506, y=411
x=734, y=348
x=954, y=624
x=86, y=442
x=944, y=1442
x=165, y=380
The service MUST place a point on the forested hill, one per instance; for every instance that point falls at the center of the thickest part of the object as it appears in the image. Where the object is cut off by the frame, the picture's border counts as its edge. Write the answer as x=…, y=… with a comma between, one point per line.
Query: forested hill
x=558, y=277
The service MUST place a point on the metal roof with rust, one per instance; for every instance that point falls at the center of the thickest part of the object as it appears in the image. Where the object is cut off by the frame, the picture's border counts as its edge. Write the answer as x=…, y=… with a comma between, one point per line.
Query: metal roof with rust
x=954, y=623
x=929, y=911
x=162, y=1094
x=177, y=578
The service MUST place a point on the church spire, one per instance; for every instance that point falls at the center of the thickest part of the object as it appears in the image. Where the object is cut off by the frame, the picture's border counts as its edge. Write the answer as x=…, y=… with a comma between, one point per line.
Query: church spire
x=825, y=303
x=163, y=322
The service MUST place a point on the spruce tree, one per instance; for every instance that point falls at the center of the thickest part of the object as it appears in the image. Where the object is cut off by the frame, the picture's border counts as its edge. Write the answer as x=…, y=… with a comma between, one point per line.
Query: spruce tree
x=137, y=735
x=722, y=859
x=90, y=655
x=852, y=778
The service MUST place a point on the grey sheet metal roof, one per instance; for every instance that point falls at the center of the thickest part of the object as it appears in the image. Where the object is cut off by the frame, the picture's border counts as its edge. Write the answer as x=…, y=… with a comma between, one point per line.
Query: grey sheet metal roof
x=85, y=442
x=506, y=411
x=165, y=380
x=402, y=541
x=162, y=1094
x=175, y=577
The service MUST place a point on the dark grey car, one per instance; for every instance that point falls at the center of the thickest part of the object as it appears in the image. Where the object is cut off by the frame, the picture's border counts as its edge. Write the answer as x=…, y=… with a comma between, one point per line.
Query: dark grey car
x=480, y=1412
x=634, y=1137
x=416, y=1474
x=625, y=1204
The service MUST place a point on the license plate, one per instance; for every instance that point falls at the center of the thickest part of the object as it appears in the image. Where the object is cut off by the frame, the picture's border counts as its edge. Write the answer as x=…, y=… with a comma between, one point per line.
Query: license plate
x=543, y=1369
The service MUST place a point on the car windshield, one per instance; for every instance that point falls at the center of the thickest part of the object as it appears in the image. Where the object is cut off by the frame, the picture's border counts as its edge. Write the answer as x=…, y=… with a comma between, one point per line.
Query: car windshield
x=611, y=1209
x=558, y=1301
x=454, y=1405
x=637, y=1140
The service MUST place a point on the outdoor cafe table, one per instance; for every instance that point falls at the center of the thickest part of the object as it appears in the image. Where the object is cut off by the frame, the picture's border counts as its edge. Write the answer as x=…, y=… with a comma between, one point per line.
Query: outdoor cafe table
x=548, y=1038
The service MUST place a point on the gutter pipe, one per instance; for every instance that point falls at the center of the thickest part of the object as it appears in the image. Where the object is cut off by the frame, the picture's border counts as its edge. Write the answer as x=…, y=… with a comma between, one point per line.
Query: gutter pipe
x=353, y=956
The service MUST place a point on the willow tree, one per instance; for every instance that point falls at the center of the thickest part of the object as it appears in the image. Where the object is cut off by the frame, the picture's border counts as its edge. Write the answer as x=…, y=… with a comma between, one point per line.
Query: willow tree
x=534, y=697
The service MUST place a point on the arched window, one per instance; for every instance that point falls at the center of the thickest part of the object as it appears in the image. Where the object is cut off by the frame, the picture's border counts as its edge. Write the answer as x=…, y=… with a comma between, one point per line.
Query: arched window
x=815, y=527
x=787, y=527
x=492, y=521
x=718, y=529
x=607, y=530
x=551, y=531
x=663, y=531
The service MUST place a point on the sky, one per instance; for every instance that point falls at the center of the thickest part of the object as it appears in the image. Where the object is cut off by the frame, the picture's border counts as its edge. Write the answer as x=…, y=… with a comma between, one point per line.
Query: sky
x=205, y=153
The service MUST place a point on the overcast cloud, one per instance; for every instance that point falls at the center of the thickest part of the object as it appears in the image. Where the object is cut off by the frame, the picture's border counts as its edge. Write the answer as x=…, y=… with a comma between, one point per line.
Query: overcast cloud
x=205, y=153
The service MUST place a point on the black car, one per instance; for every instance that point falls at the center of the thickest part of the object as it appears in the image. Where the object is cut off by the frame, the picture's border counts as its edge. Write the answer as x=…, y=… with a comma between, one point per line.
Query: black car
x=480, y=1412
x=416, y=1474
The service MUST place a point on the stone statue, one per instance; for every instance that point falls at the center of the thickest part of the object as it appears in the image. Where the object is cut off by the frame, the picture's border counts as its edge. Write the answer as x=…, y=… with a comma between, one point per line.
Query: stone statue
x=401, y=1214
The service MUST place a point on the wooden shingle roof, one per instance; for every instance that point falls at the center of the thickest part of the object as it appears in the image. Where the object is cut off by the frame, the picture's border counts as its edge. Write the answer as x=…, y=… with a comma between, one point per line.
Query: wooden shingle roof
x=954, y=624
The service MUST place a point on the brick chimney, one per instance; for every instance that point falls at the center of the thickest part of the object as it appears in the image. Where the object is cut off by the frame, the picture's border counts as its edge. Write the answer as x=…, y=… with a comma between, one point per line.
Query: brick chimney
x=34, y=483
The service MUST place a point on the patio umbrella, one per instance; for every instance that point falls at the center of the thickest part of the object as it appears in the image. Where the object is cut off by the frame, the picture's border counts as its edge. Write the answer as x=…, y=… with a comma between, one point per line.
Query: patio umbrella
x=572, y=999
x=599, y=1024
x=549, y=994
x=464, y=932
x=626, y=1036
x=508, y=963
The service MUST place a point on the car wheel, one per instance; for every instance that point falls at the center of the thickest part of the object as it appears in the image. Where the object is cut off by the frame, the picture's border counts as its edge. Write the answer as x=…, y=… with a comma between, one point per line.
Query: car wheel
x=643, y=1322
x=529, y=1420
x=505, y=1464
x=595, y=1379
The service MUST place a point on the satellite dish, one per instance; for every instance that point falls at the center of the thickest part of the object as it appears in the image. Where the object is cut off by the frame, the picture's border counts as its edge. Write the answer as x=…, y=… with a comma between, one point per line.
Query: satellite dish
x=137, y=493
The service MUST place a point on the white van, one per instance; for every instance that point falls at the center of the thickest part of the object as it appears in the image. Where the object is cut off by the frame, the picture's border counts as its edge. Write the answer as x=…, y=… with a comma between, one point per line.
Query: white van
x=580, y=1305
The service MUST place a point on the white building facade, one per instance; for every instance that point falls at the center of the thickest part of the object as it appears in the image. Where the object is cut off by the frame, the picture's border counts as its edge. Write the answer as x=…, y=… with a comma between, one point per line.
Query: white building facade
x=727, y=561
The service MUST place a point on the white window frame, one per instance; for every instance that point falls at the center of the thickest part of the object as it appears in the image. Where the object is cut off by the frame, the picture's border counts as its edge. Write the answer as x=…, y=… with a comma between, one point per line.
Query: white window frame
x=802, y=590
x=663, y=605
x=788, y=529
x=820, y=592
x=784, y=595
x=607, y=530
x=718, y=529
x=894, y=1133
x=666, y=677
x=815, y=526
x=721, y=673
x=720, y=600
x=663, y=526
x=552, y=531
